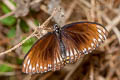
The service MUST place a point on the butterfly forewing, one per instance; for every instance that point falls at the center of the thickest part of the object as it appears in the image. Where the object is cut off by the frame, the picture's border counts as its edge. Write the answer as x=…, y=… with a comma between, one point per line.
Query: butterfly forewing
x=44, y=56
x=82, y=38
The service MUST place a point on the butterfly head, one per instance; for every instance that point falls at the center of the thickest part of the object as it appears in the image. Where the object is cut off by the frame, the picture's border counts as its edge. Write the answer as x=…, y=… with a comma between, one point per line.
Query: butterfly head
x=56, y=28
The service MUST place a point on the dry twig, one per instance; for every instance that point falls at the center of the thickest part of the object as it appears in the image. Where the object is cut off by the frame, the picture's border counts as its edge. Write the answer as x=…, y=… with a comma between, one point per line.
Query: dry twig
x=9, y=14
x=32, y=35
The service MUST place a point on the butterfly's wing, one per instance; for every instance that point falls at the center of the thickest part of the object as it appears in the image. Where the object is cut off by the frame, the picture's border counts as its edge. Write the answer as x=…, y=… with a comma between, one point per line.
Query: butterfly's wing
x=81, y=38
x=43, y=56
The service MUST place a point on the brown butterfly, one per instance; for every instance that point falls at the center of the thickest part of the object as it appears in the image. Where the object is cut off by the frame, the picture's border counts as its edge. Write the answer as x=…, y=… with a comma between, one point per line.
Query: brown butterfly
x=63, y=45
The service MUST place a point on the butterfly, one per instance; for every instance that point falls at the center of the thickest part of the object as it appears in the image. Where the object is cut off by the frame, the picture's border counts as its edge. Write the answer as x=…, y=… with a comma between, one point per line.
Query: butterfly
x=62, y=46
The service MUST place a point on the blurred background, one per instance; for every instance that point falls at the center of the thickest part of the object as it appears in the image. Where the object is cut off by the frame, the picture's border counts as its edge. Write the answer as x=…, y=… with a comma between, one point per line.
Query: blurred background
x=19, y=18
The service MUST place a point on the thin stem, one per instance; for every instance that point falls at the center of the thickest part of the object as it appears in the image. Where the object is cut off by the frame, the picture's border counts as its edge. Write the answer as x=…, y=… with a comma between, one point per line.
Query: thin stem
x=19, y=44
x=6, y=15
x=32, y=35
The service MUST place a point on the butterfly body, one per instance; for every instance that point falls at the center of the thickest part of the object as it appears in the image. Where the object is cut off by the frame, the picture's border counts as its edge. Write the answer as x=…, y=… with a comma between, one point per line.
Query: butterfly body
x=57, y=31
x=63, y=45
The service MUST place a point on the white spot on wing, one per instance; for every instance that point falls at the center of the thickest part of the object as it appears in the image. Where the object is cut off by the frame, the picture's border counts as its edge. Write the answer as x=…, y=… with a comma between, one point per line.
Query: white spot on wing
x=37, y=65
x=54, y=61
x=100, y=36
x=99, y=40
x=104, y=36
x=99, y=31
x=89, y=48
x=94, y=40
x=24, y=65
x=28, y=62
x=101, y=28
x=45, y=67
x=75, y=52
x=48, y=65
x=30, y=67
x=45, y=71
x=84, y=50
x=33, y=68
x=92, y=44
x=71, y=54
x=58, y=60
x=41, y=67
x=67, y=53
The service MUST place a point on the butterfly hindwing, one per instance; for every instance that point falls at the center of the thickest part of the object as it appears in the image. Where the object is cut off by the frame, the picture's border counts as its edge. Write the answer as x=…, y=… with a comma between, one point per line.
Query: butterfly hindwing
x=82, y=38
x=43, y=56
